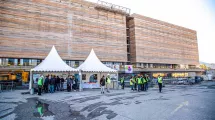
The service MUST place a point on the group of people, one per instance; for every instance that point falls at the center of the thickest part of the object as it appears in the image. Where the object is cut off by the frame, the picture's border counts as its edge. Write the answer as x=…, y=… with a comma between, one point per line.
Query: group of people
x=105, y=81
x=54, y=83
x=140, y=82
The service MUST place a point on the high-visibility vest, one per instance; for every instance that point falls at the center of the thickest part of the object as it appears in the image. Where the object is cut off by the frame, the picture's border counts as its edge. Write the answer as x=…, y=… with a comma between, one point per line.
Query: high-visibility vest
x=134, y=81
x=139, y=81
x=144, y=80
x=160, y=80
x=147, y=79
x=40, y=81
x=122, y=80
x=108, y=80
x=131, y=81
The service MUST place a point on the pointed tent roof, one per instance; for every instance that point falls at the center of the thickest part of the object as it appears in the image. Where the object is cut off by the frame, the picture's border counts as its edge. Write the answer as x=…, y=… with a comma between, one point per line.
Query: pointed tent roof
x=93, y=64
x=53, y=63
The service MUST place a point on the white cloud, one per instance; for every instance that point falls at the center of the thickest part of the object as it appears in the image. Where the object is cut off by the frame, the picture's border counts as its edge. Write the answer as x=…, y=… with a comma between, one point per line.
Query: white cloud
x=193, y=14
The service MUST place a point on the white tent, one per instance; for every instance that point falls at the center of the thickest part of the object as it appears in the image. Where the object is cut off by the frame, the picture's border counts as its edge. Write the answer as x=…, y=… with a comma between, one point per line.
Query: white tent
x=93, y=64
x=52, y=63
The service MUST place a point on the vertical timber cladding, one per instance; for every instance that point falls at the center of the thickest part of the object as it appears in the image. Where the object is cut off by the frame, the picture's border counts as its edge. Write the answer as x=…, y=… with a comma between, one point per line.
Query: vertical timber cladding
x=29, y=28
x=161, y=42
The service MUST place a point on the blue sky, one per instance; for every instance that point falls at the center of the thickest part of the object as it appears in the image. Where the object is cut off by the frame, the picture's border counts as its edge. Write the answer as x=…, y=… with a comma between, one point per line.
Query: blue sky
x=198, y=15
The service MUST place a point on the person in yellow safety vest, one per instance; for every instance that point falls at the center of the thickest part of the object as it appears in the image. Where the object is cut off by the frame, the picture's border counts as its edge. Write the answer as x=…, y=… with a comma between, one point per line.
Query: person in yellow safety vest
x=144, y=83
x=40, y=84
x=160, y=81
x=147, y=82
x=122, y=81
x=108, y=82
x=139, y=82
x=135, y=82
x=132, y=83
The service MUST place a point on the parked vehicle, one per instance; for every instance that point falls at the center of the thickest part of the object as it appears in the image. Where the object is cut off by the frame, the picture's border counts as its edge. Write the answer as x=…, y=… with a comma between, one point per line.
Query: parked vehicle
x=180, y=82
x=198, y=79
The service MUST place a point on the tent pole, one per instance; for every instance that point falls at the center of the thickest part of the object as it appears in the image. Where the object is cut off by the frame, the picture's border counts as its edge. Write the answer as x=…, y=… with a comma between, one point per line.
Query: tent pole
x=31, y=84
x=80, y=85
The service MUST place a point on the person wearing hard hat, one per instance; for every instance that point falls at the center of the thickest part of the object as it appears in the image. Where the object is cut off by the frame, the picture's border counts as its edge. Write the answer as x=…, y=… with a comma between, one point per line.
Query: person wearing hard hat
x=108, y=82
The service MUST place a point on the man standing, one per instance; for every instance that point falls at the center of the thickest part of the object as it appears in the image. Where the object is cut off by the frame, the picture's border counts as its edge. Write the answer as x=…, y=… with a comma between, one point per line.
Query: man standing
x=144, y=83
x=68, y=80
x=51, y=84
x=61, y=83
x=132, y=83
x=122, y=81
x=139, y=82
x=135, y=82
x=40, y=84
x=102, y=84
x=160, y=81
x=147, y=82
x=58, y=83
x=46, y=84
x=108, y=81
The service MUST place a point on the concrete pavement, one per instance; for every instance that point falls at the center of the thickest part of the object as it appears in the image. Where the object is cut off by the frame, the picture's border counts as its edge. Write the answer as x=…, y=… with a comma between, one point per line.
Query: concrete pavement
x=180, y=102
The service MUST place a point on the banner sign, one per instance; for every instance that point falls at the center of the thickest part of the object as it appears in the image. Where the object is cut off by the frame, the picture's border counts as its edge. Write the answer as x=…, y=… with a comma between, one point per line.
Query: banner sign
x=128, y=69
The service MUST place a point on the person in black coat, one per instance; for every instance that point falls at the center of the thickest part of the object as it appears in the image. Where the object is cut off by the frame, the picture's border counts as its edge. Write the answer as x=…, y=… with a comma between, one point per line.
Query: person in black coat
x=46, y=84
x=57, y=83
x=102, y=84
x=61, y=83
x=51, y=84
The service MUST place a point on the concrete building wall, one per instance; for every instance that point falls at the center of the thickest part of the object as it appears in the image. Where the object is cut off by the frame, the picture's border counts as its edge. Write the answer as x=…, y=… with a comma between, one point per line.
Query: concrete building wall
x=29, y=28
x=160, y=42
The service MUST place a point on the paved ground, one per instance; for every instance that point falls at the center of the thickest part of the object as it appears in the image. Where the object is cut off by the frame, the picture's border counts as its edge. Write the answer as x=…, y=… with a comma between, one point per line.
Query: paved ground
x=195, y=102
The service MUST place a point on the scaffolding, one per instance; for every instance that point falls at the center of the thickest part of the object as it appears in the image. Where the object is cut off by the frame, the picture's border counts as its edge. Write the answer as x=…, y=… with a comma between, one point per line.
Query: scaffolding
x=113, y=8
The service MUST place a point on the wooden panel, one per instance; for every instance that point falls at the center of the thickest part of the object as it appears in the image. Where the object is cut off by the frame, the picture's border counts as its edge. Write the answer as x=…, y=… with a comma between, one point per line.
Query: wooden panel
x=160, y=42
x=30, y=28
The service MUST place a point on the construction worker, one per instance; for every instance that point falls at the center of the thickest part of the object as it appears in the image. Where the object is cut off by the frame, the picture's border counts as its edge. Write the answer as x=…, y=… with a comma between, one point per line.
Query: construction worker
x=147, y=82
x=132, y=83
x=108, y=82
x=135, y=82
x=40, y=84
x=139, y=82
x=136, y=79
x=142, y=85
x=160, y=81
x=122, y=81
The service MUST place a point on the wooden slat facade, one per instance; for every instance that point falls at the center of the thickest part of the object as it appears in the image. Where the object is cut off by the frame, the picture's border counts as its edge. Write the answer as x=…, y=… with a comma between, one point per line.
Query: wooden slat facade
x=29, y=28
x=154, y=41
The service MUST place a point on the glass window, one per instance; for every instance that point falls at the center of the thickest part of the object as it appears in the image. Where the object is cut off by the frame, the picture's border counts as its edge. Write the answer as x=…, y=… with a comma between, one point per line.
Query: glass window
x=38, y=62
x=12, y=61
x=33, y=62
x=26, y=62
x=76, y=63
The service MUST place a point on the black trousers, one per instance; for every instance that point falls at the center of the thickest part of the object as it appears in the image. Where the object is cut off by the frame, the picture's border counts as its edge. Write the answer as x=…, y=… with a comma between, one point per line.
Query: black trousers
x=68, y=87
x=135, y=86
x=142, y=87
x=39, y=89
x=46, y=88
x=160, y=86
x=123, y=85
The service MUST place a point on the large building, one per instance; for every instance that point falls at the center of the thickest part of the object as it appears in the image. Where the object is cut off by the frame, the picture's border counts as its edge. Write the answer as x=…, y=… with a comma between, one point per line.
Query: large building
x=29, y=28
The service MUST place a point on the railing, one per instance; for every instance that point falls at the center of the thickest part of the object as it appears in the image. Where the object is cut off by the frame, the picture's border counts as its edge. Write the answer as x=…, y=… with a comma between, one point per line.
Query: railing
x=113, y=7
